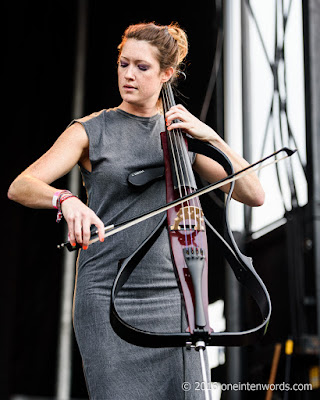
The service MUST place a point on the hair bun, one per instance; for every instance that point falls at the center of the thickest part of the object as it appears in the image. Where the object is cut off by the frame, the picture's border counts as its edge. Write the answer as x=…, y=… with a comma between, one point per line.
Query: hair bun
x=181, y=38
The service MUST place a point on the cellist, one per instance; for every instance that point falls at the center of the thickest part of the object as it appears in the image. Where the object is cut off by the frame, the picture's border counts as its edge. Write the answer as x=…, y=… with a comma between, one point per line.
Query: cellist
x=108, y=145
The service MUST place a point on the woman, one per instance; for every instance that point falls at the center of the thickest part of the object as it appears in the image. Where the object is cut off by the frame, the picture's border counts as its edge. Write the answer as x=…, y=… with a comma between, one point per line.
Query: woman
x=108, y=146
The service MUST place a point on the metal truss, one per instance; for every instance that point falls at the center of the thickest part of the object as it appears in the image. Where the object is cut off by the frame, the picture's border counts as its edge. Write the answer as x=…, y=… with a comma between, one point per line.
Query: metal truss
x=278, y=124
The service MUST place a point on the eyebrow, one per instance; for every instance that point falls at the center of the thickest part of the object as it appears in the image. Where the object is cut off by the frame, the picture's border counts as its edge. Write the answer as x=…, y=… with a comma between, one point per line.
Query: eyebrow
x=137, y=61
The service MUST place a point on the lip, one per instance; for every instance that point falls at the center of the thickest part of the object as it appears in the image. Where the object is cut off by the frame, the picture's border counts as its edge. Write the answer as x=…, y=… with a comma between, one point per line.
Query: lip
x=129, y=87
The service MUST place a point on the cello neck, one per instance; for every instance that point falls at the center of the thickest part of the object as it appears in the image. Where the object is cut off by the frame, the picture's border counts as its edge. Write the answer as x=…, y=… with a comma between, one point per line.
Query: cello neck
x=182, y=174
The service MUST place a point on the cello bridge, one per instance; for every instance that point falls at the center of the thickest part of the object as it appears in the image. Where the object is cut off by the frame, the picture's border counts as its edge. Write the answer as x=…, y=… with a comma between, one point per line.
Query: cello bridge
x=189, y=213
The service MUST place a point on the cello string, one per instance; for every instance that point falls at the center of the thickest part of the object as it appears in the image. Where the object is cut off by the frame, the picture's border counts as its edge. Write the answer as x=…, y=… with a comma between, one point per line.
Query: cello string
x=175, y=151
x=180, y=148
x=196, y=202
x=176, y=135
x=197, y=211
x=172, y=138
x=181, y=141
x=174, y=158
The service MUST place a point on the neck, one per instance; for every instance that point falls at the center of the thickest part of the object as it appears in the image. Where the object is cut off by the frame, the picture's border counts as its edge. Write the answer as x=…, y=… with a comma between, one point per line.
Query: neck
x=140, y=111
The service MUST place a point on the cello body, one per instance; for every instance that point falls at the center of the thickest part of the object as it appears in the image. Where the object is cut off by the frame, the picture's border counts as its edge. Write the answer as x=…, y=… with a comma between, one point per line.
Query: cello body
x=186, y=226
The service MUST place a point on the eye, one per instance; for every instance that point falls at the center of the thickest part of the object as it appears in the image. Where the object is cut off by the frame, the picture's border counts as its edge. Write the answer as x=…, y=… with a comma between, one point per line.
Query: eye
x=143, y=67
x=123, y=64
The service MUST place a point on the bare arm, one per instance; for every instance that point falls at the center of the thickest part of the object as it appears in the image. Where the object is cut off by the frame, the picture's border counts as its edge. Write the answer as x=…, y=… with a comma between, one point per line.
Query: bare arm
x=247, y=189
x=32, y=188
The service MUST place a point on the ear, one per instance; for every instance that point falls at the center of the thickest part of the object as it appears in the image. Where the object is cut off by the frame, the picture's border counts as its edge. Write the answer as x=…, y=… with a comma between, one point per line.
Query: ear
x=167, y=74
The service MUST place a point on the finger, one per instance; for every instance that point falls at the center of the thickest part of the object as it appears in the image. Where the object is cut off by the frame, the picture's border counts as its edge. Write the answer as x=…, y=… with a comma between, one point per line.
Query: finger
x=177, y=112
x=170, y=114
x=171, y=122
x=177, y=125
x=100, y=227
x=177, y=116
x=71, y=234
x=181, y=107
x=78, y=229
x=177, y=107
x=85, y=233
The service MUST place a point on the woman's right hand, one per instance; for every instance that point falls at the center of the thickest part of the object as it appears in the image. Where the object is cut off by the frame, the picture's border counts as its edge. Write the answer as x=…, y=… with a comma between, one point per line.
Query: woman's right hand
x=79, y=218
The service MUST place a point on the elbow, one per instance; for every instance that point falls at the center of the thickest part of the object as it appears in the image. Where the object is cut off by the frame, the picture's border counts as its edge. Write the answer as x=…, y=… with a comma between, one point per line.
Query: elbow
x=253, y=198
x=258, y=199
x=12, y=192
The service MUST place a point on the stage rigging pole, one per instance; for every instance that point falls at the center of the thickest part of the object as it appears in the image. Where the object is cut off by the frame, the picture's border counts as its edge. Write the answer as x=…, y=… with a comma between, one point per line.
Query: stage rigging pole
x=232, y=131
x=311, y=14
x=64, y=362
x=246, y=98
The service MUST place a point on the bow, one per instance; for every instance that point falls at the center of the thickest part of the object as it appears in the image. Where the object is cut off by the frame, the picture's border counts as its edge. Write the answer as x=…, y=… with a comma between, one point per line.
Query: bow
x=158, y=172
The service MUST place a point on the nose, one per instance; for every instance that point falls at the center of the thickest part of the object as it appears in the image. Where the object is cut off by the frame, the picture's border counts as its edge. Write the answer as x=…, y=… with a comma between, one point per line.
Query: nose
x=129, y=73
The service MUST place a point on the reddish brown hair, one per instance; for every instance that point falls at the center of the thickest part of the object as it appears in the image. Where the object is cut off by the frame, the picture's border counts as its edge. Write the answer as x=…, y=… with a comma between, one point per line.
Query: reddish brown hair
x=171, y=42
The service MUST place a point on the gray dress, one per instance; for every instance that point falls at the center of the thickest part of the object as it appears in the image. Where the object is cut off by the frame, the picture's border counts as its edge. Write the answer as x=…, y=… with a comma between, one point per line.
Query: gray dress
x=119, y=144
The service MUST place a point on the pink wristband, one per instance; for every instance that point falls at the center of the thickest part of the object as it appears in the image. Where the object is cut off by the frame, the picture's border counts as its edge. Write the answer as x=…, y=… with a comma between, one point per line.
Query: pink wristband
x=59, y=198
x=66, y=198
x=55, y=199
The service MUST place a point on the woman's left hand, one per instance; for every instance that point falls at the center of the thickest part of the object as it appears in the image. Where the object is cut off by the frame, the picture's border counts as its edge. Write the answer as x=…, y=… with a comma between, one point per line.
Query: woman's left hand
x=189, y=124
x=248, y=189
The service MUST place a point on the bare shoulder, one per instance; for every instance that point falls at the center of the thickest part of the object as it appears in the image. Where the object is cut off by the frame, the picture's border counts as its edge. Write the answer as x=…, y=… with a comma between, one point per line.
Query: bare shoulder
x=75, y=133
x=90, y=116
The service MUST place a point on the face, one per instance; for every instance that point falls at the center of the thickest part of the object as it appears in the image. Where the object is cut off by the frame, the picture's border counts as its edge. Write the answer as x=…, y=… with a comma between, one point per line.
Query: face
x=139, y=76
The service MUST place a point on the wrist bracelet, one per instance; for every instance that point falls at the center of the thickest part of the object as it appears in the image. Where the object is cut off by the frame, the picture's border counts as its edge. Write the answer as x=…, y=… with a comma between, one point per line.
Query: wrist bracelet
x=55, y=199
x=58, y=199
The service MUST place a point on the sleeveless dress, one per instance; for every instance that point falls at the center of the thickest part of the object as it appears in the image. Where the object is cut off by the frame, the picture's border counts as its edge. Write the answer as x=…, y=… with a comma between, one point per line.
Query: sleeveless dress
x=120, y=144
